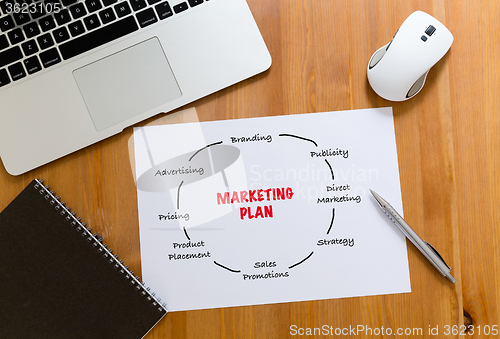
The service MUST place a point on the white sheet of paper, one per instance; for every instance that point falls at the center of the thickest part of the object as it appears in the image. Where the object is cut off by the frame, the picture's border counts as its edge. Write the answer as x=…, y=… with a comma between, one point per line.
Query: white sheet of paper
x=269, y=210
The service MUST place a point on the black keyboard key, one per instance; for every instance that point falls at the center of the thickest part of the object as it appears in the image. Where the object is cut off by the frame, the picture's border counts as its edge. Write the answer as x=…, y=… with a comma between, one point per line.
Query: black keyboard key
x=193, y=3
x=17, y=71
x=47, y=23
x=50, y=57
x=16, y=36
x=21, y=18
x=62, y=17
x=181, y=7
x=5, y=7
x=76, y=28
x=32, y=64
x=31, y=30
x=37, y=10
x=107, y=15
x=91, y=22
x=66, y=3
x=29, y=47
x=98, y=37
x=4, y=77
x=138, y=4
x=7, y=23
x=10, y=55
x=45, y=41
x=122, y=9
x=93, y=5
x=61, y=34
x=152, y=2
x=146, y=17
x=109, y=2
x=163, y=10
x=4, y=43
x=78, y=10
x=52, y=5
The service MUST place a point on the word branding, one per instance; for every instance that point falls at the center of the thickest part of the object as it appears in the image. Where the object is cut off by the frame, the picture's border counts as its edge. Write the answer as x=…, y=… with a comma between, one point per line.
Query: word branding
x=255, y=137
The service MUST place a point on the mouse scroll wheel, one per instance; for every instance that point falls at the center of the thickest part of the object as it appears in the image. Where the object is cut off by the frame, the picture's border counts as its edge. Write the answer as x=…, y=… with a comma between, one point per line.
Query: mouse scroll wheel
x=430, y=30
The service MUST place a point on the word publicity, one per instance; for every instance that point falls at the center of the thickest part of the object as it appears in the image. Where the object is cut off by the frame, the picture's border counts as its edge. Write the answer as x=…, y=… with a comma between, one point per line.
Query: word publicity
x=258, y=195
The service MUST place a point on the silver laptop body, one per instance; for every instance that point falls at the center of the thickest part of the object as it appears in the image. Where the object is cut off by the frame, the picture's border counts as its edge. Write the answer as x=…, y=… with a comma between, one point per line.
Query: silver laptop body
x=83, y=97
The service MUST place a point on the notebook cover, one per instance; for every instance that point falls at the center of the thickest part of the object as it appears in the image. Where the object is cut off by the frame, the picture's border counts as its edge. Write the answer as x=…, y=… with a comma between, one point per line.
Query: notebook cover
x=59, y=281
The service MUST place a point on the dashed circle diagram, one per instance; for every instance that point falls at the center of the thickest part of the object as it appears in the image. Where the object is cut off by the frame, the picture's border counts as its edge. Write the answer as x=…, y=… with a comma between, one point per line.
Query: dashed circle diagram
x=257, y=207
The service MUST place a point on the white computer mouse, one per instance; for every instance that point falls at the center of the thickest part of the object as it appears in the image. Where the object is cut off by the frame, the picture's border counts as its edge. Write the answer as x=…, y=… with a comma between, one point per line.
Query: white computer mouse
x=397, y=71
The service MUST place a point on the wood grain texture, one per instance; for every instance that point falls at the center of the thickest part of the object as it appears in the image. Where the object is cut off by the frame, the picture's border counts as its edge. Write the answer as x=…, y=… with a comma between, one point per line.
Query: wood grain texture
x=448, y=140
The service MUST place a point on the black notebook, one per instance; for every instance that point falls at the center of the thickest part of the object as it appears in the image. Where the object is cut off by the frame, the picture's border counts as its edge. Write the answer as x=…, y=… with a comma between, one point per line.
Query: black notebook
x=58, y=280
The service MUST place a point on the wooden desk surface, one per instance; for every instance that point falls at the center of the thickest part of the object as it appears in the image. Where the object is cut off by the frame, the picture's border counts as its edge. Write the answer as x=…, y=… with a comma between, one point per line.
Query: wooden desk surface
x=448, y=140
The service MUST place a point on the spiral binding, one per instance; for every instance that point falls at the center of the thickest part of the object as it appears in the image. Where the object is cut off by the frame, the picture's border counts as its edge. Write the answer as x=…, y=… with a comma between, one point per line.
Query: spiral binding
x=96, y=241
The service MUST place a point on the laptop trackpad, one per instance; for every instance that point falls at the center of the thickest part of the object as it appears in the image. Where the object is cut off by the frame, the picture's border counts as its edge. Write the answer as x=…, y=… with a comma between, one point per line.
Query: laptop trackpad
x=127, y=83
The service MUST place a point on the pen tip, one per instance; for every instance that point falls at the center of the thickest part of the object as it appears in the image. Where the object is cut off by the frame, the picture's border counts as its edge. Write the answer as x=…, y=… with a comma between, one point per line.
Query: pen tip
x=378, y=198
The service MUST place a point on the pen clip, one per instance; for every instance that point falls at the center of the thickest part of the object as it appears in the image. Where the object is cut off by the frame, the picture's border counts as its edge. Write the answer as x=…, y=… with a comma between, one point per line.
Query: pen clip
x=437, y=253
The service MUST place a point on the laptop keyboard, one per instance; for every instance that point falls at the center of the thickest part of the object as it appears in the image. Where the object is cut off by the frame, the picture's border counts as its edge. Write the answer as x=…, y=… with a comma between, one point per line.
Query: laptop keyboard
x=36, y=35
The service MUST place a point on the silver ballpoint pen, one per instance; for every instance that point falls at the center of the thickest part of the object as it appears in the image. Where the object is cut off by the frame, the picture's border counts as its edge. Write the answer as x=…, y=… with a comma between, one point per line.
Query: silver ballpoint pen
x=423, y=246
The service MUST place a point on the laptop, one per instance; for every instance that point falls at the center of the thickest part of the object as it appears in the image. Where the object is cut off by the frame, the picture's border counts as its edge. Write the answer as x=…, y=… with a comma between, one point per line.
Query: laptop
x=74, y=72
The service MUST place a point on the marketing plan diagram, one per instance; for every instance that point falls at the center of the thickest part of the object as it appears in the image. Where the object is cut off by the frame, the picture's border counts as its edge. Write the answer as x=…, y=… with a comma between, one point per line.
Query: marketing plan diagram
x=268, y=210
